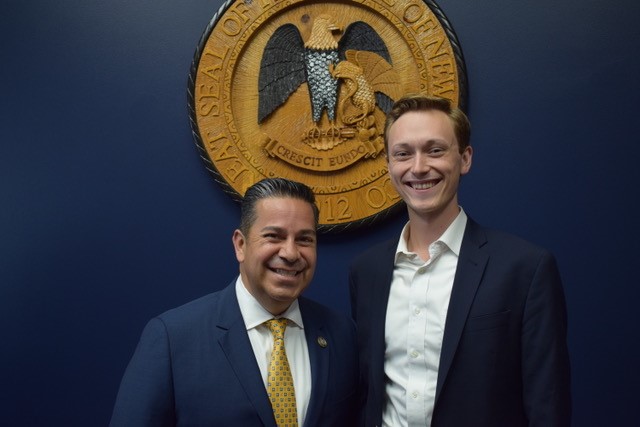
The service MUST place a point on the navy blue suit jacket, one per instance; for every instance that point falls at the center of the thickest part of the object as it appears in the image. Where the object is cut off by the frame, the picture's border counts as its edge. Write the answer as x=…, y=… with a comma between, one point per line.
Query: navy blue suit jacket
x=504, y=358
x=194, y=366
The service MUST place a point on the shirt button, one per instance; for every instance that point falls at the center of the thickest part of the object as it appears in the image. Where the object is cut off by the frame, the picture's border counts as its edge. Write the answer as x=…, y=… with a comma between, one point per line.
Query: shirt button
x=416, y=311
x=414, y=354
x=415, y=394
x=421, y=270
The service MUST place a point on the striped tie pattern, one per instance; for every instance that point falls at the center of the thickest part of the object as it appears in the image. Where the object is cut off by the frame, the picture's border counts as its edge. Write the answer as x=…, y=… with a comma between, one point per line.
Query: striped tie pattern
x=280, y=381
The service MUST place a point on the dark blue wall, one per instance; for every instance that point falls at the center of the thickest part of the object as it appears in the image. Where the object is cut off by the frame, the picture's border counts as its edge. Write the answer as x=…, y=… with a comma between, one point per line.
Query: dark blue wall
x=108, y=217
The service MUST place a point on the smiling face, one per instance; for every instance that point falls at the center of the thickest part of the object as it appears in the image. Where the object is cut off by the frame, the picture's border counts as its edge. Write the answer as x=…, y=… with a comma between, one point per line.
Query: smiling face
x=278, y=255
x=425, y=164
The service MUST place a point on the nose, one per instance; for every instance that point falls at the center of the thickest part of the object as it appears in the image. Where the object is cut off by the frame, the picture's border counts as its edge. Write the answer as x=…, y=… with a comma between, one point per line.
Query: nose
x=289, y=251
x=420, y=165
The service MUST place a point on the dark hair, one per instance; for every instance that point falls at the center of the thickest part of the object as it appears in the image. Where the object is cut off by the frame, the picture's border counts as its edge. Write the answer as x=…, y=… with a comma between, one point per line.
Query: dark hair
x=273, y=187
x=417, y=102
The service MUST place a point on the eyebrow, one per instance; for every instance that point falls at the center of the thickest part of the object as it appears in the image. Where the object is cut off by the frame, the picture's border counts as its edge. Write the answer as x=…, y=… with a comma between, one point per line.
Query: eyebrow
x=305, y=232
x=422, y=141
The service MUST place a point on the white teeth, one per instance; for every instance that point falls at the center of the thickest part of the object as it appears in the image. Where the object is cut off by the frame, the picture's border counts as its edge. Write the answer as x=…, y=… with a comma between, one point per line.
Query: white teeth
x=423, y=186
x=286, y=272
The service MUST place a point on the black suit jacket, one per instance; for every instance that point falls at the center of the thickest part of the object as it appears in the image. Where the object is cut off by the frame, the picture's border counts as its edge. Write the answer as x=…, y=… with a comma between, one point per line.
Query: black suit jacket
x=504, y=359
x=194, y=366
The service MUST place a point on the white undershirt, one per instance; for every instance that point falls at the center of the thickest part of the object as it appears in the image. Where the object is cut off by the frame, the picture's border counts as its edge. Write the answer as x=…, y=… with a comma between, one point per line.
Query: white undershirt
x=415, y=320
x=295, y=344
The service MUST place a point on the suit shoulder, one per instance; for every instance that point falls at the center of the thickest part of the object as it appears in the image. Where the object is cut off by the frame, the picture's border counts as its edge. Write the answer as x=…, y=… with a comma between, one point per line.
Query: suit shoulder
x=314, y=309
x=506, y=245
x=510, y=241
x=197, y=304
x=192, y=311
x=374, y=253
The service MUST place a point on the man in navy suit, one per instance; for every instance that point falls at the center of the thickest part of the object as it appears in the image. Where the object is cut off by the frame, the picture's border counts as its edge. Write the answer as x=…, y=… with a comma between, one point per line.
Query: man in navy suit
x=206, y=363
x=458, y=325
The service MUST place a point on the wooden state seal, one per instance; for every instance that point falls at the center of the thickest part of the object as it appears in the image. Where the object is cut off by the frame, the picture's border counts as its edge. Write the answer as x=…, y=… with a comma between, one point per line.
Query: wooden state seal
x=299, y=89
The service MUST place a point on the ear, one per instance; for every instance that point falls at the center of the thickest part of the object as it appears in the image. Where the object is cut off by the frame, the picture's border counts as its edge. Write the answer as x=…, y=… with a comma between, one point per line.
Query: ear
x=239, y=244
x=467, y=155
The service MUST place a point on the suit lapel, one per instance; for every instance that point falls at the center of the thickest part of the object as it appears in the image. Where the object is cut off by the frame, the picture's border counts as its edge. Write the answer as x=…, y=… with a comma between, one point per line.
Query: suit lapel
x=471, y=266
x=236, y=346
x=319, y=361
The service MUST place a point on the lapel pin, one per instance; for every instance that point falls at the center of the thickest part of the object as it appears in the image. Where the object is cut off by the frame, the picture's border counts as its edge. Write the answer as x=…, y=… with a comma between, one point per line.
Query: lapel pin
x=322, y=342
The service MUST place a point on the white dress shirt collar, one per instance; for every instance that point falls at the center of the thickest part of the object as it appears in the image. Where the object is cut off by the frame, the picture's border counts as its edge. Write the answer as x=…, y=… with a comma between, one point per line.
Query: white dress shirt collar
x=255, y=314
x=452, y=236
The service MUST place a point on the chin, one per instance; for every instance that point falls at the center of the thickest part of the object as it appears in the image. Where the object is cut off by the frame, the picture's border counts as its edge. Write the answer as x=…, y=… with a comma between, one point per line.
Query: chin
x=285, y=293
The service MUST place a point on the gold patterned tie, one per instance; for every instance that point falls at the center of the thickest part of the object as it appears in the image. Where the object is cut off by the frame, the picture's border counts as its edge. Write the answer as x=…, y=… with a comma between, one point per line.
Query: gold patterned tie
x=280, y=381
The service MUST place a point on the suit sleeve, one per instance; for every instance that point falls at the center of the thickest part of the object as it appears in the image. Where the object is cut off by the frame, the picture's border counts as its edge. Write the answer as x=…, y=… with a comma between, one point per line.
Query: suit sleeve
x=545, y=357
x=145, y=397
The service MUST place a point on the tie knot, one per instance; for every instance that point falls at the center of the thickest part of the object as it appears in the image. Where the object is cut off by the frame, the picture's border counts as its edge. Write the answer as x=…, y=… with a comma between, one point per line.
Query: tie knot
x=277, y=327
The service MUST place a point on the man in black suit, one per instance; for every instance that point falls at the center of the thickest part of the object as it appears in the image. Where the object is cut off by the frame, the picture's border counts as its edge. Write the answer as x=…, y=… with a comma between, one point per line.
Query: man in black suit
x=458, y=324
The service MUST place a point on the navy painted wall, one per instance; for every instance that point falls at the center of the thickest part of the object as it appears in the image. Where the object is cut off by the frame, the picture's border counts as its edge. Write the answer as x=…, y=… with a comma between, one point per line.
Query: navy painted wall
x=108, y=217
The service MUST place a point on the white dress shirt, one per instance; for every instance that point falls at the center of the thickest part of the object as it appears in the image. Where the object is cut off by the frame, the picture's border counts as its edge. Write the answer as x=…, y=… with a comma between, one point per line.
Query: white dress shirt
x=415, y=320
x=295, y=344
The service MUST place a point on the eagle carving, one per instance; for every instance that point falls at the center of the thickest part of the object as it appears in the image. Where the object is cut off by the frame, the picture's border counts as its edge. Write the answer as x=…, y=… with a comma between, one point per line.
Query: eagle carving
x=288, y=62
